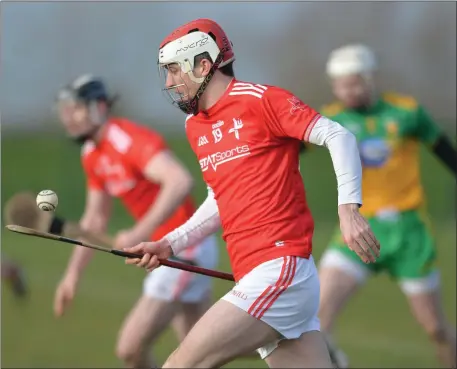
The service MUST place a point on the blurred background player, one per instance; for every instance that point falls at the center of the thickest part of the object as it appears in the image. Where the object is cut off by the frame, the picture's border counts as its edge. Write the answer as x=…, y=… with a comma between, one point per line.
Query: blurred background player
x=389, y=128
x=129, y=161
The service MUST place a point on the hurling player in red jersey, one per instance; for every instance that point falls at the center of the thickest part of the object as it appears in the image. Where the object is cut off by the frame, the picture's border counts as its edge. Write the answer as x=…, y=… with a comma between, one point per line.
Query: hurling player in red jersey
x=132, y=162
x=247, y=138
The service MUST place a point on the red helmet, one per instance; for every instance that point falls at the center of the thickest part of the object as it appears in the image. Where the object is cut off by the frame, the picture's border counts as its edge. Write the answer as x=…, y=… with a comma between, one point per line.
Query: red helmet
x=194, y=38
x=185, y=43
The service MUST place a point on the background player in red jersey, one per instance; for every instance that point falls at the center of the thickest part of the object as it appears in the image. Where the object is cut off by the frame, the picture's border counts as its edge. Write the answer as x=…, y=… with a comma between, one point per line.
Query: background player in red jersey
x=247, y=138
x=123, y=159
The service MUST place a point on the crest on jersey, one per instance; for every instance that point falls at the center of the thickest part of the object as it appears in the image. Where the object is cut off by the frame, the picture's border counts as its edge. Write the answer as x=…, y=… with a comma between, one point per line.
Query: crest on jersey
x=296, y=104
x=391, y=127
x=237, y=125
x=374, y=152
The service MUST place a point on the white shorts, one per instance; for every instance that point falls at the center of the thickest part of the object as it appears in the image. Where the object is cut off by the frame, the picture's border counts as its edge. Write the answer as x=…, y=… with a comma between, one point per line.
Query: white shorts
x=283, y=293
x=169, y=284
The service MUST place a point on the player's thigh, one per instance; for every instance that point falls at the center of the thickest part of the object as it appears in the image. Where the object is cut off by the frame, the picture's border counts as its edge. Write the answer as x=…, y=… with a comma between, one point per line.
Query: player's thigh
x=308, y=351
x=223, y=333
x=188, y=314
x=194, y=296
x=156, y=308
x=413, y=264
x=147, y=319
x=188, y=292
x=415, y=270
x=341, y=273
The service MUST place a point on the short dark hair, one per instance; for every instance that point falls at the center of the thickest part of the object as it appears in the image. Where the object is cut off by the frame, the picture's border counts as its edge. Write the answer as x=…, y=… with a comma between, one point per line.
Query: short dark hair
x=226, y=70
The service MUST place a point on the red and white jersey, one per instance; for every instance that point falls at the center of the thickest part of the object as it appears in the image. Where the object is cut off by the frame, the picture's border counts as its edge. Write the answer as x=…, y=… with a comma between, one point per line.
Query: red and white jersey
x=248, y=147
x=116, y=165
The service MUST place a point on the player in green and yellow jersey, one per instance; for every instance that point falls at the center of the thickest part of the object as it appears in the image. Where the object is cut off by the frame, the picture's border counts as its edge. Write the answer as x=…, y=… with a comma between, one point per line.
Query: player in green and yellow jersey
x=389, y=128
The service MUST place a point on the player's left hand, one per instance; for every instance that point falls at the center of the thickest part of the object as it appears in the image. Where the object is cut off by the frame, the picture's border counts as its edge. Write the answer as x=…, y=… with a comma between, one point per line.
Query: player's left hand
x=357, y=233
x=127, y=238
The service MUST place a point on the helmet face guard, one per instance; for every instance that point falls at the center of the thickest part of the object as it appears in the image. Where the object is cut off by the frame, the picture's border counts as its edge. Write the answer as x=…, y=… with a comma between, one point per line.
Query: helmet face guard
x=183, y=100
x=198, y=37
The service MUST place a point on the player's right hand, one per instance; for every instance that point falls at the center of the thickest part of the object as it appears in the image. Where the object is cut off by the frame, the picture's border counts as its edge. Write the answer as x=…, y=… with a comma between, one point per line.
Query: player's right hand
x=153, y=253
x=64, y=295
x=357, y=233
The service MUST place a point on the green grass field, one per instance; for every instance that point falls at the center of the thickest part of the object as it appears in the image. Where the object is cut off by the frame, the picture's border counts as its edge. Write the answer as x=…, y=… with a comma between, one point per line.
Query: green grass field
x=375, y=330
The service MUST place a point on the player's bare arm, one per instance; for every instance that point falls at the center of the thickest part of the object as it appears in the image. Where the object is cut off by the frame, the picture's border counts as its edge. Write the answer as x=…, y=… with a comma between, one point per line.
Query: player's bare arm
x=344, y=152
x=175, y=184
x=94, y=220
x=204, y=222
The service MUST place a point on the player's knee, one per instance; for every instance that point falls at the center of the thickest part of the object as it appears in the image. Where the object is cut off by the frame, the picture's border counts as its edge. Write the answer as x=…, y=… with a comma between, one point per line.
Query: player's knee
x=129, y=354
x=436, y=331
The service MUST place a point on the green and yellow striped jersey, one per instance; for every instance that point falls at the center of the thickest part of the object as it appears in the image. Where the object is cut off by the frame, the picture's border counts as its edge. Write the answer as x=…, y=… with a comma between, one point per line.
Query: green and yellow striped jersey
x=389, y=134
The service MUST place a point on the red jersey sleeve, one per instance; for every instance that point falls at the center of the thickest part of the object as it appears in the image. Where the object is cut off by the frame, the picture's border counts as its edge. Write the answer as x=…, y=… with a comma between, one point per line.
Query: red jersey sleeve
x=145, y=145
x=286, y=115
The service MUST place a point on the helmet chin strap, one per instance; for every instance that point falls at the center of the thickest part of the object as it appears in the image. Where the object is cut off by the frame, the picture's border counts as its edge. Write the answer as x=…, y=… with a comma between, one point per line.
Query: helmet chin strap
x=191, y=106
